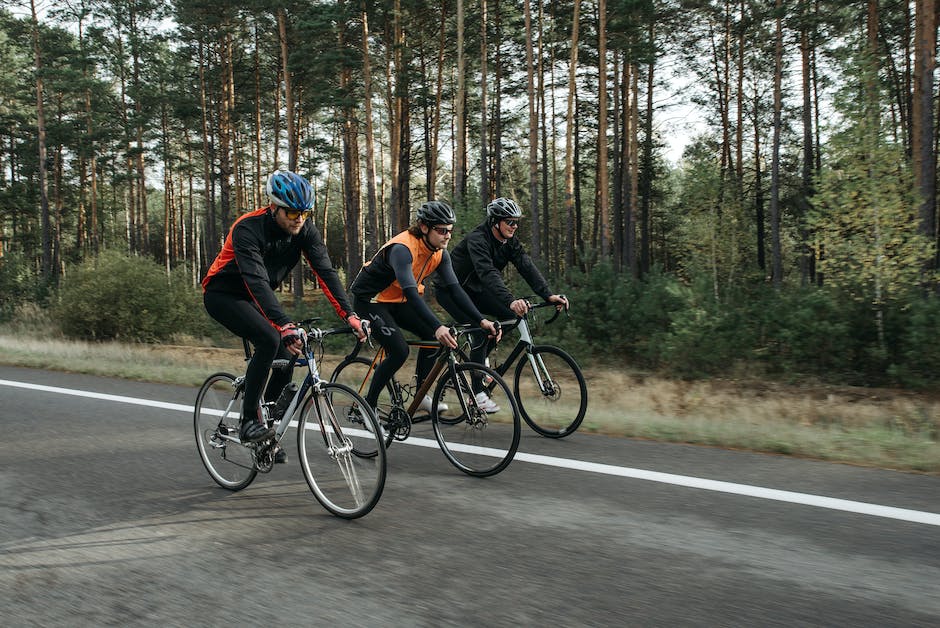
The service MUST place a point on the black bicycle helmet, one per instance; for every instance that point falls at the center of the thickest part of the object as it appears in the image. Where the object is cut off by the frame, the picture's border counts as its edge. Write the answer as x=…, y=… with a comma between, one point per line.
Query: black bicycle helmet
x=290, y=190
x=503, y=208
x=436, y=213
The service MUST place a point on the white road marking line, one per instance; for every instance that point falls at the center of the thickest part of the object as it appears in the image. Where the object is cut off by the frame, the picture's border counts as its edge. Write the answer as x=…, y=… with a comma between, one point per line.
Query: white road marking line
x=806, y=499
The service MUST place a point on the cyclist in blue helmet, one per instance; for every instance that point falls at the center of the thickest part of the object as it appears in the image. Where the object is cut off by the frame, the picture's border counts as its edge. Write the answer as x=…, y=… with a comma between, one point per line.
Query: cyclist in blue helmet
x=259, y=252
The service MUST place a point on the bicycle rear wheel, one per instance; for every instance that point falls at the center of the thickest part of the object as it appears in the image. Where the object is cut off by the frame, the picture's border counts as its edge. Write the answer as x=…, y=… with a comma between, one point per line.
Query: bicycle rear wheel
x=477, y=443
x=216, y=417
x=551, y=391
x=335, y=426
x=356, y=373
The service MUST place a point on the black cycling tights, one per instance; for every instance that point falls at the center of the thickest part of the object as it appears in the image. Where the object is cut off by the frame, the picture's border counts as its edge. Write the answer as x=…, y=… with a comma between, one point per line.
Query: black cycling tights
x=387, y=320
x=241, y=317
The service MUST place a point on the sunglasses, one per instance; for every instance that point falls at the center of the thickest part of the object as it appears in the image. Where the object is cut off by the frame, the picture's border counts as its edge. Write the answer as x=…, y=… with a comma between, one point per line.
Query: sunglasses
x=511, y=223
x=293, y=214
x=443, y=230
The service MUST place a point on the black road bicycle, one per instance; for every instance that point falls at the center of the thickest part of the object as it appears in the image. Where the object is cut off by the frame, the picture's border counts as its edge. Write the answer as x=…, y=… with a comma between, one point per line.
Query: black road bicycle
x=548, y=383
x=333, y=425
x=477, y=443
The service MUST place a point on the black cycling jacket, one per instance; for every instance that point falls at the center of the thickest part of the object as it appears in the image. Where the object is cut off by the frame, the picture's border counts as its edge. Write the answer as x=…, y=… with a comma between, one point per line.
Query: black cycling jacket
x=480, y=258
x=258, y=255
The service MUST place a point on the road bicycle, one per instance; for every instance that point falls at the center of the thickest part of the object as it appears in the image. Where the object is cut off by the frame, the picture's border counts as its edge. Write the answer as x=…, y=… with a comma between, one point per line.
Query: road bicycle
x=477, y=443
x=334, y=425
x=548, y=383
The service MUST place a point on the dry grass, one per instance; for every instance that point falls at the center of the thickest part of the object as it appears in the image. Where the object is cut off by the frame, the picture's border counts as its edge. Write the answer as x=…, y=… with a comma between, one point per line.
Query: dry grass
x=885, y=428
x=878, y=427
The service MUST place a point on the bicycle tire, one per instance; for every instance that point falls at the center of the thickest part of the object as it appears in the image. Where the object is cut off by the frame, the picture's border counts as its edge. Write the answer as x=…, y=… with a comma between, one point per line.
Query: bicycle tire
x=347, y=484
x=215, y=416
x=356, y=373
x=559, y=411
x=477, y=443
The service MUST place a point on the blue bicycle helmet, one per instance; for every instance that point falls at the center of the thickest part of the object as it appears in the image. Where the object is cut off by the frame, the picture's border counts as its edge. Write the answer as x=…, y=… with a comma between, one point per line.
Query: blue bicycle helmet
x=290, y=190
x=436, y=213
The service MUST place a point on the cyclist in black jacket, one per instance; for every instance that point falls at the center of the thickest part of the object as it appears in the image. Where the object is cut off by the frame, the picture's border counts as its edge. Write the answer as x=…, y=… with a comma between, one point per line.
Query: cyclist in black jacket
x=479, y=260
x=261, y=249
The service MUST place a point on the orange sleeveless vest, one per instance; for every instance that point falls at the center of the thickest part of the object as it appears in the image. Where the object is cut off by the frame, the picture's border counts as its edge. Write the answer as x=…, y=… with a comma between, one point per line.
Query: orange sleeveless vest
x=424, y=262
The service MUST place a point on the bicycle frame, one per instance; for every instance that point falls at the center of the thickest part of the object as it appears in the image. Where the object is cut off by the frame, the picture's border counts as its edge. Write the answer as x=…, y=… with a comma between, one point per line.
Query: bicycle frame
x=311, y=381
x=524, y=345
x=445, y=359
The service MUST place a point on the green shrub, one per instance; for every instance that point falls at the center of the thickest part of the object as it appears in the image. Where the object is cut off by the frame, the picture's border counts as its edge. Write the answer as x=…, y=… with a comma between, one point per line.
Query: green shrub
x=804, y=330
x=20, y=283
x=130, y=298
x=622, y=318
x=917, y=361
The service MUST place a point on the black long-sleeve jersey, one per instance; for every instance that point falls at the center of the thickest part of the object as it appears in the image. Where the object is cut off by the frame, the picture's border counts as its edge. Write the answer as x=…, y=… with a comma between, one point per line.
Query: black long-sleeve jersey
x=480, y=258
x=258, y=255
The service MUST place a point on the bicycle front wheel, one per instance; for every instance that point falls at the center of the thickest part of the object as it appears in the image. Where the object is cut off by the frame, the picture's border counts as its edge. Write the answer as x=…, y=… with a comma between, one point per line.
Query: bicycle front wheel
x=551, y=391
x=216, y=417
x=477, y=442
x=335, y=427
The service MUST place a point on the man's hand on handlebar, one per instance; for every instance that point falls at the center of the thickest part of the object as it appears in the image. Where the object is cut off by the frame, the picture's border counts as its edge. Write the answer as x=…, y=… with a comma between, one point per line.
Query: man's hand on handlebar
x=493, y=328
x=360, y=327
x=290, y=336
x=560, y=301
x=444, y=337
x=519, y=307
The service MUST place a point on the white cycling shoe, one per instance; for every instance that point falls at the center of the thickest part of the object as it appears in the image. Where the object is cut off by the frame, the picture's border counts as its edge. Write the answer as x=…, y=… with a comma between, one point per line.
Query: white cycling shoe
x=485, y=403
x=425, y=405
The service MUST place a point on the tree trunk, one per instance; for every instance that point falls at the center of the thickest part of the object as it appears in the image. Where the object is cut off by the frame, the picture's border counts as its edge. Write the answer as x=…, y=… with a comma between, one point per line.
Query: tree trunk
x=484, y=155
x=48, y=270
x=460, y=156
x=646, y=193
x=603, y=194
x=759, y=188
x=438, y=99
x=258, y=188
x=776, y=253
x=569, y=140
x=372, y=218
x=297, y=275
x=925, y=164
x=807, y=270
x=351, y=185
x=535, y=248
x=392, y=62
x=739, y=139
x=225, y=136
x=211, y=234
x=547, y=210
x=496, y=154
x=142, y=221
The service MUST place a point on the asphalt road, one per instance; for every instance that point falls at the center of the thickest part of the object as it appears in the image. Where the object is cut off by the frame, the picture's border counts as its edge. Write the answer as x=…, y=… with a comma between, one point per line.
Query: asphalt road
x=107, y=517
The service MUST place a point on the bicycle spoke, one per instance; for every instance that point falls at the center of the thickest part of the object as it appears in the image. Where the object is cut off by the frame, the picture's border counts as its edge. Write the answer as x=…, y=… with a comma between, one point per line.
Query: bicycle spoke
x=551, y=391
x=216, y=416
x=477, y=442
x=342, y=459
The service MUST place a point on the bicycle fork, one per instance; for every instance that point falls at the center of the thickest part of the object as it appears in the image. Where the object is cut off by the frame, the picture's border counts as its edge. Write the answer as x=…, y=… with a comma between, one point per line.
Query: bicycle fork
x=542, y=376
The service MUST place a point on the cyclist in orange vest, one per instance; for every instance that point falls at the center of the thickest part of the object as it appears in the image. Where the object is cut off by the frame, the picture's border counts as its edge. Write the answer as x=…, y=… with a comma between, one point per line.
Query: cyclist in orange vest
x=388, y=292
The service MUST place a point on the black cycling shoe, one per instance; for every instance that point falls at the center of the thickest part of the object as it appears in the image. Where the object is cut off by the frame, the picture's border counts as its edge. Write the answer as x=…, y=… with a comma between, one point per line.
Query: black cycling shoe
x=280, y=456
x=251, y=431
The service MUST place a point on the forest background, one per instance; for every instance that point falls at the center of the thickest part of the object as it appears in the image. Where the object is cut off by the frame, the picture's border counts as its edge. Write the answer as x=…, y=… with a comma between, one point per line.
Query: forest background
x=795, y=238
